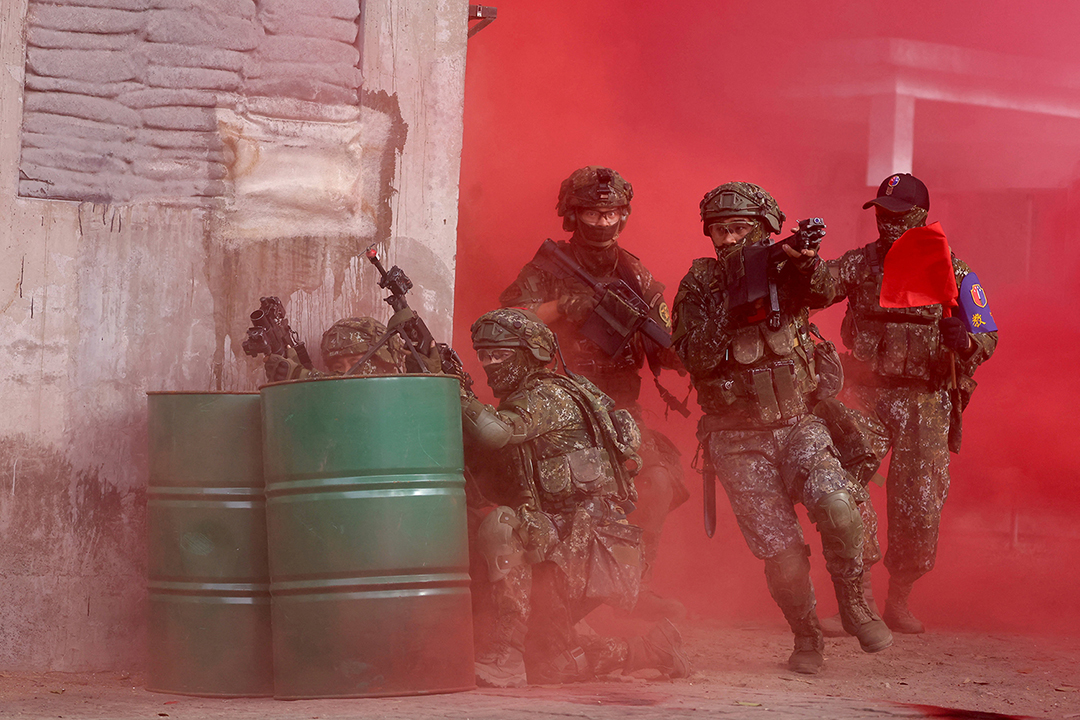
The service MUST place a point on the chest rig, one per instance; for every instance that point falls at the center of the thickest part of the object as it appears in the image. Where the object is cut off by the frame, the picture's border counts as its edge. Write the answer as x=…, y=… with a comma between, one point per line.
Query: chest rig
x=898, y=346
x=768, y=368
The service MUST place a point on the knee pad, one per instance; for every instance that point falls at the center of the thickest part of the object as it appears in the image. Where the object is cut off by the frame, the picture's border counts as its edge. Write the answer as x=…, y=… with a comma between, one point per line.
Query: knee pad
x=498, y=542
x=838, y=520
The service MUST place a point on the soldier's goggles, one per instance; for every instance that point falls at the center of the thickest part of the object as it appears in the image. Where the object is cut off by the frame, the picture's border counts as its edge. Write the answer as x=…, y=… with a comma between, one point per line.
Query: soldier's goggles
x=594, y=216
x=738, y=228
x=493, y=356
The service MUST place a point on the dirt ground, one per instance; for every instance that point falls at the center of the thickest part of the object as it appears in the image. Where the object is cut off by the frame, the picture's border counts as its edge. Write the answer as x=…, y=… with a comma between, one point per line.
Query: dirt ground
x=739, y=672
x=1008, y=674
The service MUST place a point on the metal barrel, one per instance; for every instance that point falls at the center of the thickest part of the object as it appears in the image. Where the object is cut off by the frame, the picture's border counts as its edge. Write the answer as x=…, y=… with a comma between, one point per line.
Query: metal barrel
x=209, y=585
x=367, y=537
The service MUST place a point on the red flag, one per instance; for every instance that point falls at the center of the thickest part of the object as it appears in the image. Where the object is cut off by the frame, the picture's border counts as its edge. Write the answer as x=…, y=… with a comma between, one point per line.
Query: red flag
x=918, y=270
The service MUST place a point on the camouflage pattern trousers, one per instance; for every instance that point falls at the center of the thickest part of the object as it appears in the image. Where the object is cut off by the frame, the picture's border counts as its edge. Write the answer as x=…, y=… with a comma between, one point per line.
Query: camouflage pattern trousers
x=767, y=471
x=915, y=426
x=595, y=561
x=660, y=490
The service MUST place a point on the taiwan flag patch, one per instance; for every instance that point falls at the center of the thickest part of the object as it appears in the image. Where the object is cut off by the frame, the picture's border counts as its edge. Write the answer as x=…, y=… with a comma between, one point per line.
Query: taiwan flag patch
x=975, y=309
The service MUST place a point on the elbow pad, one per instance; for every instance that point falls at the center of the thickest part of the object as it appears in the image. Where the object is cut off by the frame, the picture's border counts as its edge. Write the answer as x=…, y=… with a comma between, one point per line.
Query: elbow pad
x=484, y=424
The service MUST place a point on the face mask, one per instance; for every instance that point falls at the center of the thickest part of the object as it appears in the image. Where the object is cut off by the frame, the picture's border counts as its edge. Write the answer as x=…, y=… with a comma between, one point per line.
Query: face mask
x=891, y=226
x=505, y=377
x=597, y=237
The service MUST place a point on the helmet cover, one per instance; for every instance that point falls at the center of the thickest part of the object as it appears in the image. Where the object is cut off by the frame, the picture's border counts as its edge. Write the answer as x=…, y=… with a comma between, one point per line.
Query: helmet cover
x=355, y=336
x=741, y=199
x=514, y=328
x=592, y=187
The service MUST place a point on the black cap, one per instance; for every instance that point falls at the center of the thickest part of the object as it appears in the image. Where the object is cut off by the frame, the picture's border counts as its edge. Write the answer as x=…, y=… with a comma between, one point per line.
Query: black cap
x=901, y=192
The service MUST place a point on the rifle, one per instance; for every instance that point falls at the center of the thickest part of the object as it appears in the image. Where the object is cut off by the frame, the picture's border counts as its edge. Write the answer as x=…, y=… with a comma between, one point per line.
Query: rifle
x=620, y=312
x=752, y=277
x=409, y=327
x=270, y=333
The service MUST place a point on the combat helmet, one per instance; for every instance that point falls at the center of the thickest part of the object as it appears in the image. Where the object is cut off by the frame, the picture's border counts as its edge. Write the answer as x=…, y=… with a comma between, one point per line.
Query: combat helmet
x=741, y=199
x=355, y=336
x=514, y=328
x=591, y=187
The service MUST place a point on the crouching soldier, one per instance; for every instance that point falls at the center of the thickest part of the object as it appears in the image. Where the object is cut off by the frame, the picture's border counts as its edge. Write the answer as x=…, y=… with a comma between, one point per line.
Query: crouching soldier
x=343, y=345
x=558, y=545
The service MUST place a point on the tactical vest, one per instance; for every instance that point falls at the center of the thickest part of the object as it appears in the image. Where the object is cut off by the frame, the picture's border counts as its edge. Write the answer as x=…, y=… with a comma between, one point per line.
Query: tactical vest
x=895, y=346
x=596, y=469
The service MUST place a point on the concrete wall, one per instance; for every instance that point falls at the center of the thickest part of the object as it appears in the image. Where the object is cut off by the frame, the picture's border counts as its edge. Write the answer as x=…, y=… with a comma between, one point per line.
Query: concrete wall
x=163, y=165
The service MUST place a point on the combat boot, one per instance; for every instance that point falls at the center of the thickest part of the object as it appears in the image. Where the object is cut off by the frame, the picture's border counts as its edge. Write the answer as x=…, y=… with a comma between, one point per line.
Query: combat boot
x=808, y=657
x=833, y=626
x=897, y=614
x=857, y=616
x=503, y=664
x=660, y=649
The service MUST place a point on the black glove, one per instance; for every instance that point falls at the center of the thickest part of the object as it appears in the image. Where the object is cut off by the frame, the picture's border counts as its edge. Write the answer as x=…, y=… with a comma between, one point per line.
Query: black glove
x=810, y=234
x=953, y=334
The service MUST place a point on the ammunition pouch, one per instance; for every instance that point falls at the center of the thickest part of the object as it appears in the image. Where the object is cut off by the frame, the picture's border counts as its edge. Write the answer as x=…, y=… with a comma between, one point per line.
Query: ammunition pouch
x=903, y=350
x=586, y=471
x=773, y=392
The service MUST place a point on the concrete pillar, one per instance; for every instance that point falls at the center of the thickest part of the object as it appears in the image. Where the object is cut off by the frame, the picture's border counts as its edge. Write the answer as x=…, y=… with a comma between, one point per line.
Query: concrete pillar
x=892, y=136
x=413, y=52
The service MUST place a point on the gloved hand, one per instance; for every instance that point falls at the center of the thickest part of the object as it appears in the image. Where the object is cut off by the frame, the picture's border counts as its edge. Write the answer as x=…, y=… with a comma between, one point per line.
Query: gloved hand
x=576, y=307
x=400, y=318
x=280, y=369
x=810, y=234
x=954, y=335
x=537, y=533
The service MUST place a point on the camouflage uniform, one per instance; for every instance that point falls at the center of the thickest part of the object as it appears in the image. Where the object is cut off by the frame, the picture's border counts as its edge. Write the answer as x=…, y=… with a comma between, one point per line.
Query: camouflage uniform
x=347, y=338
x=897, y=375
x=660, y=482
x=559, y=544
x=756, y=386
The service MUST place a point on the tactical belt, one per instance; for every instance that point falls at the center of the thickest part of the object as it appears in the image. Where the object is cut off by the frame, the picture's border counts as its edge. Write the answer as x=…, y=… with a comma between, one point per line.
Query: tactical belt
x=866, y=378
x=709, y=424
x=899, y=383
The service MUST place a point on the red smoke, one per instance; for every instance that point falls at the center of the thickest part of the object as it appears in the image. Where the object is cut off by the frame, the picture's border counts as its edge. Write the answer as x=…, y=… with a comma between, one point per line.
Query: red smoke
x=680, y=97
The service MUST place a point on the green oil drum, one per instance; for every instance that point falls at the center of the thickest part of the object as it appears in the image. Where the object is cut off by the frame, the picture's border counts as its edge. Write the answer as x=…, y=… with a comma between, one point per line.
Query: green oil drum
x=365, y=506
x=209, y=585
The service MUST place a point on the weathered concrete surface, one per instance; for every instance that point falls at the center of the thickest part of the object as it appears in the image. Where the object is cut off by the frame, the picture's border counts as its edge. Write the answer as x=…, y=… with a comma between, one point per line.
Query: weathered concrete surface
x=156, y=179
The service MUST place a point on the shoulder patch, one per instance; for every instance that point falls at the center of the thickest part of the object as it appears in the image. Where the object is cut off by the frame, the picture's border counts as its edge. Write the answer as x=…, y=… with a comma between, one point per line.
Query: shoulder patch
x=974, y=306
x=665, y=314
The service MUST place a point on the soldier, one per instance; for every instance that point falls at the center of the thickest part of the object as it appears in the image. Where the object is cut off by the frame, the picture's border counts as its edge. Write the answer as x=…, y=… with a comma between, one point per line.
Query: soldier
x=752, y=365
x=594, y=203
x=558, y=545
x=343, y=345
x=898, y=375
